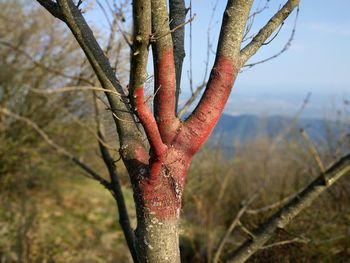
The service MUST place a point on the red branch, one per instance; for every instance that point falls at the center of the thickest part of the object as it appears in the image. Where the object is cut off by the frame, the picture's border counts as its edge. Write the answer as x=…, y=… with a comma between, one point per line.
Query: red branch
x=165, y=98
x=149, y=123
x=201, y=122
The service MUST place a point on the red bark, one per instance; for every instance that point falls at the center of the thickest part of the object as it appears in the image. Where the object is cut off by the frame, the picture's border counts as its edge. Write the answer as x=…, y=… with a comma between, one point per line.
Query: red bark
x=162, y=188
x=161, y=193
x=147, y=119
x=165, y=97
x=201, y=122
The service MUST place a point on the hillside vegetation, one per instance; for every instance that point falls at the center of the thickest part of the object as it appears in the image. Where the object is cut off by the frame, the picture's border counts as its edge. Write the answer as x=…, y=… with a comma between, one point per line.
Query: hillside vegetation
x=51, y=212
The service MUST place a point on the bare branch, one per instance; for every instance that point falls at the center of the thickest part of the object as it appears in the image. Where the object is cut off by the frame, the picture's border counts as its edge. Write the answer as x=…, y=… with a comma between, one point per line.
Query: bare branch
x=164, y=72
x=246, y=230
x=285, y=242
x=284, y=49
x=72, y=89
x=149, y=123
x=264, y=33
x=232, y=226
x=44, y=67
x=129, y=136
x=116, y=188
x=233, y=26
x=313, y=150
x=270, y=207
x=141, y=38
x=115, y=24
x=283, y=216
x=92, y=174
x=197, y=91
x=193, y=97
x=138, y=74
x=52, y=7
x=90, y=130
x=154, y=37
x=302, y=240
x=201, y=122
x=190, y=72
x=177, y=16
x=251, y=19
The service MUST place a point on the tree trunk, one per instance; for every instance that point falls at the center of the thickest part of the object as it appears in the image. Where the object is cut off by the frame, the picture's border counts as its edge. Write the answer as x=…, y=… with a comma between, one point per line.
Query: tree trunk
x=158, y=203
x=158, y=240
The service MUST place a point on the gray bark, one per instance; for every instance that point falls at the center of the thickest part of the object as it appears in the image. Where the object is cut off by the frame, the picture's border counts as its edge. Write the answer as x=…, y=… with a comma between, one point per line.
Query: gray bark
x=177, y=14
x=158, y=240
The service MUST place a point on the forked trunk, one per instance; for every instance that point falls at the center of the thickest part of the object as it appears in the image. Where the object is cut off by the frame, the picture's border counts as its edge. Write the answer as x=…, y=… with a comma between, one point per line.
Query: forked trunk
x=158, y=202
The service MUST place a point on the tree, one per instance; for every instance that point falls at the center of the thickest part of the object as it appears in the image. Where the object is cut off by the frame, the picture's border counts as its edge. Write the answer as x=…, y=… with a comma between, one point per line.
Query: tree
x=157, y=148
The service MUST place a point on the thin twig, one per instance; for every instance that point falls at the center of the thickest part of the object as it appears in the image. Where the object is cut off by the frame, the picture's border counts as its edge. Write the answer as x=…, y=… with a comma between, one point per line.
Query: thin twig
x=191, y=47
x=289, y=211
x=246, y=230
x=115, y=185
x=232, y=226
x=189, y=102
x=75, y=88
x=92, y=174
x=285, y=242
x=251, y=48
x=303, y=240
x=90, y=130
x=44, y=67
x=154, y=37
x=313, y=150
x=270, y=207
x=284, y=49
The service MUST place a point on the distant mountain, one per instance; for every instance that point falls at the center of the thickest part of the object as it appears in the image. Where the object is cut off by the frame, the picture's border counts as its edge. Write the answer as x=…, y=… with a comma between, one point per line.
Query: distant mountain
x=246, y=127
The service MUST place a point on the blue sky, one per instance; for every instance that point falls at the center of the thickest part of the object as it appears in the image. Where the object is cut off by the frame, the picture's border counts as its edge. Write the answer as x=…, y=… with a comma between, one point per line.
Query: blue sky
x=318, y=60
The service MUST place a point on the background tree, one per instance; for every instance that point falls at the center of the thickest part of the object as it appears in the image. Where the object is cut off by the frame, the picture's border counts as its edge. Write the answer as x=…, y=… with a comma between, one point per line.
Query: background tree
x=158, y=166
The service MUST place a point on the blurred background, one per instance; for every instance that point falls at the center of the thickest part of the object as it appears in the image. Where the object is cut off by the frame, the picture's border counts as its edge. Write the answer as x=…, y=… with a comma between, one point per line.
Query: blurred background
x=267, y=141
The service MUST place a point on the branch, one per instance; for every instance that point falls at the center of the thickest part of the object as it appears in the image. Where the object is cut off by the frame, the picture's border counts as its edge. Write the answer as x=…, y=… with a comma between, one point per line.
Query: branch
x=129, y=136
x=251, y=19
x=164, y=71
x=189, y=102
x=139, y=56
x=200, y=87
x=116, y=188
x=251, y=48
x=92, y=174
x=271, y=206
x=149, y=123
x=141, y=38
x=177, y=16
x=201, y=122
x=313, y=150
x=284, y=49
x=285, y=242
x=52, y=7
x=286, y=214
x=44, y=67
x=232, y=226
x=75, y=88
x=138, y=74
x=118, y=15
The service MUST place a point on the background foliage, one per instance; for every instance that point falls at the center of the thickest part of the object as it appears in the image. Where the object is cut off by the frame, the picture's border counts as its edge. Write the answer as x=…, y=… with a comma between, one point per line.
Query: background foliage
x=50, y=213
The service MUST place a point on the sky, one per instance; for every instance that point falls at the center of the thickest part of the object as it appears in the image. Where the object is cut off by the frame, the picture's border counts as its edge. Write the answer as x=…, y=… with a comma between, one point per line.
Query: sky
x=318, y=60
